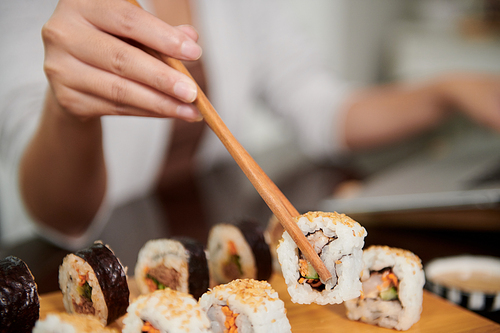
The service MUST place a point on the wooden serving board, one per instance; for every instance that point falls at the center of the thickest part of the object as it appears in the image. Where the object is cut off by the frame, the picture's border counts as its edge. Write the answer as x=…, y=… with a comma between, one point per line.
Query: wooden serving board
x=438, y=315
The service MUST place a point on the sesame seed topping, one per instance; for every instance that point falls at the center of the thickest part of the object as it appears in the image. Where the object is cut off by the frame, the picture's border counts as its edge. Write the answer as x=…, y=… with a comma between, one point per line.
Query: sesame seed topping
x=410, y=257
x=334, y=216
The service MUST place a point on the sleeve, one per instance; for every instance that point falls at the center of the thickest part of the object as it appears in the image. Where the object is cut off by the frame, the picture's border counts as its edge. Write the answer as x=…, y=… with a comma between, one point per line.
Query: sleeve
x=16, y=127
x=22, y=91
x=19, y=119
x=293, y=79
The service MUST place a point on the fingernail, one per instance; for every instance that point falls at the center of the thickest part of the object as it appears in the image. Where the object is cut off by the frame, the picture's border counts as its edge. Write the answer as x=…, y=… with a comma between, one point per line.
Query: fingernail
x=191, y=50
x=185, y=91
x=188, y=112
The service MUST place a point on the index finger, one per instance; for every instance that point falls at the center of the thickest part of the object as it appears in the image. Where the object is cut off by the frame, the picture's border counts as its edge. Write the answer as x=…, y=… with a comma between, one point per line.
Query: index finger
x=124, y=19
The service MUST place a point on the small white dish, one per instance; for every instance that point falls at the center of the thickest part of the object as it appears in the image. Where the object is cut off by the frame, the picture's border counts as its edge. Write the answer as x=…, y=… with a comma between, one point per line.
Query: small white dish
x=470, y=281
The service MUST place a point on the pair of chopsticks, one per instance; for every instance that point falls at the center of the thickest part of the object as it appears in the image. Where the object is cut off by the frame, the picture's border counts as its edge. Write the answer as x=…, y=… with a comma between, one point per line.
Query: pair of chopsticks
x=274, y=198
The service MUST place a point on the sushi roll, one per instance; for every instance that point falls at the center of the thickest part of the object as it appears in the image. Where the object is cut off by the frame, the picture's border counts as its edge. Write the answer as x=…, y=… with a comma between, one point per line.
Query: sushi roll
x=338, y=240
x=245, y=305
x=19, y=302
x=393, y=282
x=70, y=323
x=94, y=282
x=238, y=251
x=273, y=235
x=178, y=263
x=165, y=310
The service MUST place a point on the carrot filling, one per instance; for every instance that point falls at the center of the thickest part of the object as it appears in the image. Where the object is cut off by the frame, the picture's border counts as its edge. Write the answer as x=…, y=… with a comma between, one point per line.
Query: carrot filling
x=308, y=274
x=390, y=279
x=148, y=328
x=85, y=304
x=161, y=277
x=84, y=288
x=232, y=267
x=232, y=248
x=230, y=322
x=383, y=284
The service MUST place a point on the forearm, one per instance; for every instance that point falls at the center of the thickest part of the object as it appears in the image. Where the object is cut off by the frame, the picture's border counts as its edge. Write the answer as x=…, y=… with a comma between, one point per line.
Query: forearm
x=62, y=172
x=386, y=114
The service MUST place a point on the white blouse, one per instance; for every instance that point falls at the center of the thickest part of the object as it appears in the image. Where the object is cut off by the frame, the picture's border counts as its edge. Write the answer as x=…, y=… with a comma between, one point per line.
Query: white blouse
x=255, y=60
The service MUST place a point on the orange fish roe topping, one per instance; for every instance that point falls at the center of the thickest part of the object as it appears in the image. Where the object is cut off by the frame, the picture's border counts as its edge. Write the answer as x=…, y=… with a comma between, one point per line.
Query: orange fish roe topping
x=148, y=328
x=230, y=322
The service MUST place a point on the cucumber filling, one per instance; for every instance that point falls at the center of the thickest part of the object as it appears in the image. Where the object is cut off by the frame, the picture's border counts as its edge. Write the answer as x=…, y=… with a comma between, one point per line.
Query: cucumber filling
x=389, y=294
x=158, y=284
x=85, y=291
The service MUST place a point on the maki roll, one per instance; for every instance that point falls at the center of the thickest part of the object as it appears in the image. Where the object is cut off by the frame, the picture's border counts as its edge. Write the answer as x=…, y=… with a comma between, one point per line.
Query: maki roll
x=178, y=263
x=338, y=240
x=245, y=306
x=94, y=282
x=165, y=310
x=273, y=235
x=19, y=302
x=70, y=323
x=393, y=282
x=238, y=251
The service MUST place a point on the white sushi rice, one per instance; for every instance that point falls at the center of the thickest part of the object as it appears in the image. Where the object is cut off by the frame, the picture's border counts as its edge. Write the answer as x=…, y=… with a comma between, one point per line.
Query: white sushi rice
x=342, y=257
x=168, y=311
x=401, y=314
x=218, y=250
x=52, y=323
x=256, y=303
x=70, y=271
x=167, y=252
x=70, y=323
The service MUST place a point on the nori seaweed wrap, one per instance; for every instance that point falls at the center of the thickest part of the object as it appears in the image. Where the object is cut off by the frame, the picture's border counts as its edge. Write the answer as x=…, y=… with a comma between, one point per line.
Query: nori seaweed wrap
x=177, y=263
x=239, y=251
x=93, y=281
x=19, y=303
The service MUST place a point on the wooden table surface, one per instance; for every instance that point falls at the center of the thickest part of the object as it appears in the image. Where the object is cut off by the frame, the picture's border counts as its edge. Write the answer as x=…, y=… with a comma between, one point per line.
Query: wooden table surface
x=438, y=315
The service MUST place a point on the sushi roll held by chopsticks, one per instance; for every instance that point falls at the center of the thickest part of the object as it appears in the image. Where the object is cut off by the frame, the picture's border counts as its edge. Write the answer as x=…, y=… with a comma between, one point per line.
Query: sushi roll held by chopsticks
x=393, y=281
x=338, y=240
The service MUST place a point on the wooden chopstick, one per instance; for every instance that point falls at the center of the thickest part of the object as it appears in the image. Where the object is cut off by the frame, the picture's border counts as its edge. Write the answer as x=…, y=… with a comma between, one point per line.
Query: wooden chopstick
x=270, y=193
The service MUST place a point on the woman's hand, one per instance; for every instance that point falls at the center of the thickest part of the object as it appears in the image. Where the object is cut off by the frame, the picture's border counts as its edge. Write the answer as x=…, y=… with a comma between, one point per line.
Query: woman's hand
x=386, y=114
x=475, y=94
x=93, y=71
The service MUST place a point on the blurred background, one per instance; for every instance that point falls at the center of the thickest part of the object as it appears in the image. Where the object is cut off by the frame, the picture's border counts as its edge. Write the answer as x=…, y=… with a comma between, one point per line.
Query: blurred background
x=366, y=42
x=372, y=42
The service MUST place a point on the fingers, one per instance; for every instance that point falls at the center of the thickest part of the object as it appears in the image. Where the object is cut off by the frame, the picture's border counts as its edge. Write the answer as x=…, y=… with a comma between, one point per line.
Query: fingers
x=82, y=103
x=123, y=19
x=86, y=63
x=111, y=94
x=189, y=30
x=113, y=55
x=477, y=95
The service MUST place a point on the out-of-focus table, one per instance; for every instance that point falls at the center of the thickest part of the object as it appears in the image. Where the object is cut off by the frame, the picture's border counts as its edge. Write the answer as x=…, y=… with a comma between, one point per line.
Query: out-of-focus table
x=228, y=196
x=438, y=315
